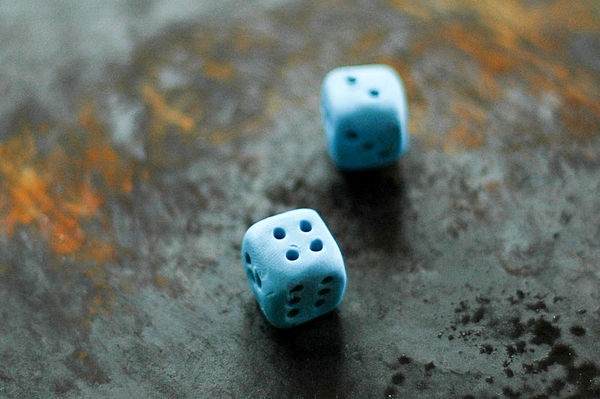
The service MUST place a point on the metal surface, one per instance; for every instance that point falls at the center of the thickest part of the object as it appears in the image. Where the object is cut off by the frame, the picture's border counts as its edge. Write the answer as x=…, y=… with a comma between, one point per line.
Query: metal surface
x=137, y=144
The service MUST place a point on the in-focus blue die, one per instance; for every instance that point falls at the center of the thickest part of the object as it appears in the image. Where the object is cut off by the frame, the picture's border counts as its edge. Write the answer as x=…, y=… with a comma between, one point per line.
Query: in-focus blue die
x=294, y=266
x=365, y=116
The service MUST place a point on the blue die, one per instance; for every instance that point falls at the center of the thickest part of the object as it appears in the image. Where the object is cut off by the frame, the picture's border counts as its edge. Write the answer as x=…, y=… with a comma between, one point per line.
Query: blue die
x=365, y=116
x=294, y=266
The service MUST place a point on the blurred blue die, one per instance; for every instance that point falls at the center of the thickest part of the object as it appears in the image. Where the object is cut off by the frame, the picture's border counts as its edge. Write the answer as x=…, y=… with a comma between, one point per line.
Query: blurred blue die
x=365, y=116
x=294, y=266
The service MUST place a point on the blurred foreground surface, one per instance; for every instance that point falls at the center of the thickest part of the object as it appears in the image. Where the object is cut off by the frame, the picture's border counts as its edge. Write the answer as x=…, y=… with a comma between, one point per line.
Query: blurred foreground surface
x=137, y=144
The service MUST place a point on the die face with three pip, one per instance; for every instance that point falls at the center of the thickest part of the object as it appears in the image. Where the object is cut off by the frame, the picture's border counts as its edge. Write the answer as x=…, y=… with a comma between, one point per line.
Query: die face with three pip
x=364, y=112
x=294, y=266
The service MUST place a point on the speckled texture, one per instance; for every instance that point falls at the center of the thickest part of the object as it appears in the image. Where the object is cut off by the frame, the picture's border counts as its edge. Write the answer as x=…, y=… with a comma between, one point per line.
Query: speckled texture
x=137, y=144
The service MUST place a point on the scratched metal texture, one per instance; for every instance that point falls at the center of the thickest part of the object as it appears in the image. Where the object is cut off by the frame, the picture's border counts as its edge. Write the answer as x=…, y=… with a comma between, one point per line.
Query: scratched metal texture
x=139, y=140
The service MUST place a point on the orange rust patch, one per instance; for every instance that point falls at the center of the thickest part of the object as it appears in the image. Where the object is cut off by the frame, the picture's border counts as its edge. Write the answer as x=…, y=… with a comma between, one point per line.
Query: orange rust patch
x=162, y=282
x=98, y=251
x=492, y=57
x=577, y=15
x=100, y=157
x=366, y=43
x=97, y=309
x=468, y=112
x=98, y=300
x=163, y=115
x=492, y=186
x=55, y=191
x=27, y=197
x=581, y=109
x=99, y=303
x=464, y=137
x=218, y=70
x=242, y=41
x=514, y=39
x=487, y=86
x=415, y=9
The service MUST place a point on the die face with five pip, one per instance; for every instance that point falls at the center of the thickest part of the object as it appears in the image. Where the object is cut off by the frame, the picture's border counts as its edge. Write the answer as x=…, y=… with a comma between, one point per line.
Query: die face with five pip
x=364, y=112
x=294, y=267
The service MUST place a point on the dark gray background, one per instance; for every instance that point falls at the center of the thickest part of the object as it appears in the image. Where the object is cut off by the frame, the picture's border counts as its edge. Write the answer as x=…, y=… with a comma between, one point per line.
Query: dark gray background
x=139, y=141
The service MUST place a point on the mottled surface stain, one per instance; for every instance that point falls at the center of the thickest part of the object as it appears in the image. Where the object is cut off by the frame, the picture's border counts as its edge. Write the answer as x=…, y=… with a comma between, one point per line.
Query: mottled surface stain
x=164, y=115
x=129, y=175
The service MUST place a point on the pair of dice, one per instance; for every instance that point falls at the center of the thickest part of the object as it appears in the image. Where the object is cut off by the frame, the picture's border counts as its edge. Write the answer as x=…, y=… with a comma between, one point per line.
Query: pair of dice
x=293, y=264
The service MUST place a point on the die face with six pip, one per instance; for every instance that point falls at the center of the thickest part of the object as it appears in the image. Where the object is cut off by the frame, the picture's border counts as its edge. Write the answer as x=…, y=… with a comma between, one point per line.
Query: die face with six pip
x=364, y=112
x=294, y=267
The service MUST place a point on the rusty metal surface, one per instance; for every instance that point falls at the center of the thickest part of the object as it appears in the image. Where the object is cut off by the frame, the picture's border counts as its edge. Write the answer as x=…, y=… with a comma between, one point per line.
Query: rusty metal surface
x=137, y=143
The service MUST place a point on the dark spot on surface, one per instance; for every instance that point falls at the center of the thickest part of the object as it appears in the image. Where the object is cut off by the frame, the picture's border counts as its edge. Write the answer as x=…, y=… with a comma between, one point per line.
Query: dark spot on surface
x=509, y=393
x=577, y=331
x=450, y=337
x=403, y=359
x=559, y=354
x=468, y=397
x=565, y=218
x=465, y=334
x=478, y=315
x=482, y=299
x=515, y=327
x=487, y=349
x=558, y=384
x=537, y=306
x=581, y=311
x=428, y=368
x=62, y=387
x=509, y=373
x=529, y=368
x=543, y=332
x=390, y=392
x=462, y=306
x=398, y=379
x=489, y=379
x=517, y=348
x=583, y=376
